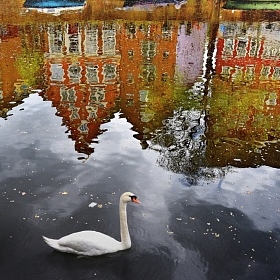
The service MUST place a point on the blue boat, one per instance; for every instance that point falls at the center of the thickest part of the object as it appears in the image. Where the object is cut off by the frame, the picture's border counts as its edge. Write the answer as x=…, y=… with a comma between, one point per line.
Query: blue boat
x=47, y=4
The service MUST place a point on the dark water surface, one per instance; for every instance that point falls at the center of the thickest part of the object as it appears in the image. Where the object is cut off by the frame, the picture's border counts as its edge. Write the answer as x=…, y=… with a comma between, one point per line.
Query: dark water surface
x=182, y=110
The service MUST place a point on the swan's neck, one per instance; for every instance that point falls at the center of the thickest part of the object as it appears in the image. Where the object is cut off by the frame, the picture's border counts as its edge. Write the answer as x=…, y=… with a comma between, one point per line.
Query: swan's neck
x=125, y=237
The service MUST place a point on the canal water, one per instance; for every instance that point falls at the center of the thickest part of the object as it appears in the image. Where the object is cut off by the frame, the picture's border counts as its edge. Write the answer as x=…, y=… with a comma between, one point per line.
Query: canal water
x=180, y=106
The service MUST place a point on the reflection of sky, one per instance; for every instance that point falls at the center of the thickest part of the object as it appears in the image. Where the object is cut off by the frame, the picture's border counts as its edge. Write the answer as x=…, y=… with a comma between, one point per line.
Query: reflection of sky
x=253, y=191
x=46, y=190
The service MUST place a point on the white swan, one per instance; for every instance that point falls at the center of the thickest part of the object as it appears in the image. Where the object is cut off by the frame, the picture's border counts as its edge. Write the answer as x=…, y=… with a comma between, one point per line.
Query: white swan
x=93, y=243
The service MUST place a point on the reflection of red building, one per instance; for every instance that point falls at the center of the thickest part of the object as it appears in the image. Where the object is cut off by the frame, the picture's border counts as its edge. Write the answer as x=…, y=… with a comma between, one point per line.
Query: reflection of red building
x=251, y=56
x=244, y=113
x=82, y=74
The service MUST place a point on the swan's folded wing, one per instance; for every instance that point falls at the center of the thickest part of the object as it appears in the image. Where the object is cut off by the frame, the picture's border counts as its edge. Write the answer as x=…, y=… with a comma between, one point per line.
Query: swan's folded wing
x=90, y=243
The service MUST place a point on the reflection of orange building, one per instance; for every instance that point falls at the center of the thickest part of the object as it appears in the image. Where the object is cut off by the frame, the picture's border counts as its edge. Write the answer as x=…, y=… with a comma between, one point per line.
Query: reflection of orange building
x=82, y=77
x=148, y=57
x=10, y=47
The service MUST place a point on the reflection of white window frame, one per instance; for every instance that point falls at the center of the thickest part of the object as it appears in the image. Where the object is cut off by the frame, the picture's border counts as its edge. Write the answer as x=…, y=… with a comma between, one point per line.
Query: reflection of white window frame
x=276, y=74
x=109, y=39
x=55, y=39
x=57, y=72
x=238, y=74
x=250, y=73
x=67, y=95
x=109, y=72
x=265, y=71
x=225, y=71
x=253, y=47
x=73, y=42
x=241, y=47
x=228, y=47
x=91, y=40
x=97, y=94
x=74, y=73
x=74, y=112
x=148, y=49
x=83, y=127
x=143, y=95
x=272, y=99
x=92, y=110
x=92, y=74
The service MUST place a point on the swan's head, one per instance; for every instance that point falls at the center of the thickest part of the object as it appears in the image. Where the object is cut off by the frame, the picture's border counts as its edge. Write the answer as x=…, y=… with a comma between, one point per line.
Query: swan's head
x=129, y=197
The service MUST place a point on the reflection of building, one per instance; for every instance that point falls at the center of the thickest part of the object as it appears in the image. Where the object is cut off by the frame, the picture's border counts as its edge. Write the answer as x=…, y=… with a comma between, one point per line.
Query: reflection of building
x=190, y=51
x=147, y=67
x=11, y=86
x=245, y=102
x=82, y=74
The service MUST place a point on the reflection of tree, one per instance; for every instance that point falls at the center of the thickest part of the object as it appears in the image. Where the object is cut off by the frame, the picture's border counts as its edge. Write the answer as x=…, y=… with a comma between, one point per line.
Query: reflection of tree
x=181, y=142
x=29, y=65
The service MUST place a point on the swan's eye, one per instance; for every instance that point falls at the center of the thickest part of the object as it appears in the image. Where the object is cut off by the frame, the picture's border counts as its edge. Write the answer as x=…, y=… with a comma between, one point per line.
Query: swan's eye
x=133, y=197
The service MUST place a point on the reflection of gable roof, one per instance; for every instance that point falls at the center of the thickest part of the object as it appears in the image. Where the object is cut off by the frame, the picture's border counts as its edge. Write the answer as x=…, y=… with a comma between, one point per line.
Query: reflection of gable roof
x=252, y=5
x=53, y=3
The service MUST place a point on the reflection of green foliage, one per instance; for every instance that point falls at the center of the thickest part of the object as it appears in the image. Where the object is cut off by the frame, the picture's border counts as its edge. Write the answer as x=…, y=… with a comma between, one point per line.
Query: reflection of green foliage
x=180, y=140
x=29, y=65
x=242, y=110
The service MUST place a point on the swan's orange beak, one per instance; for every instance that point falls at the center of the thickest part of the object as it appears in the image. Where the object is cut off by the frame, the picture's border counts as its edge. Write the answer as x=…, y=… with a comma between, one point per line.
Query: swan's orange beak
x=134, y=199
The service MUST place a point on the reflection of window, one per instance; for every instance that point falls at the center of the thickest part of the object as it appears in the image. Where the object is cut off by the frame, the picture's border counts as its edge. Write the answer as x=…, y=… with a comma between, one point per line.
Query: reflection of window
x=74, y=73
x=164, y=77
x=272, y=99
x=129, y=99
x=56, y=72
x=148, y=49
x=228, y=47
x=109, y=72
x=165, y=54
x=74, y=112
x=148, y=72
x=276, y=73
x=83, y=128
x=55, y=38
x=92, y=73
x=237, y=75
x=130, y=54
x=250, y=73
x=225, y=71
x=92, y=111
x=166, y=32
x=67, y=95
x=241, y=47
x=74, y=43
x=91, y=39
x=253, y=47
x=74, y=38
x=265, y=72
x=96, y=94
x=109, y=39
x=130, y=79
x=143, y=95
x=131, y=30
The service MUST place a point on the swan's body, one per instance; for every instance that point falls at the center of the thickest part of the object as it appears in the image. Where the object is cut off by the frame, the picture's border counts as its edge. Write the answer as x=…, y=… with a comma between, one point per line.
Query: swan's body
x=93, y=243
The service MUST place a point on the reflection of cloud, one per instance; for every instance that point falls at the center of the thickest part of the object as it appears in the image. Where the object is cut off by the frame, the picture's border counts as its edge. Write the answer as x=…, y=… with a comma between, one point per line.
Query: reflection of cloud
x=254, y=192
x=227, y=241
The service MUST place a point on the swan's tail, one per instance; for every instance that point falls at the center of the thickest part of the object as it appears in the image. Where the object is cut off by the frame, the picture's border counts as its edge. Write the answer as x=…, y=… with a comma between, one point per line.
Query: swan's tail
x=52, y=242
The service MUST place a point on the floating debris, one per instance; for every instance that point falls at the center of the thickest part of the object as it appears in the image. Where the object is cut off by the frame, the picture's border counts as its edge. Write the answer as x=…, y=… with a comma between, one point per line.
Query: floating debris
x=92, y=204
x=63, y=193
